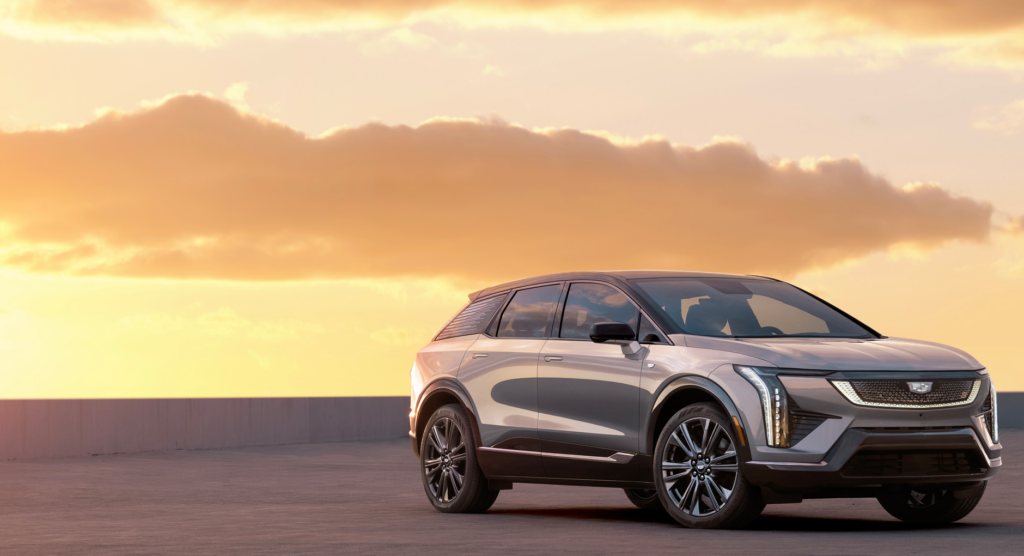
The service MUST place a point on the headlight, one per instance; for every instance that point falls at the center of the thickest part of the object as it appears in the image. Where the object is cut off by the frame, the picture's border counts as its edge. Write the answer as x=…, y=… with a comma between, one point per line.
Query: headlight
x=774, y=404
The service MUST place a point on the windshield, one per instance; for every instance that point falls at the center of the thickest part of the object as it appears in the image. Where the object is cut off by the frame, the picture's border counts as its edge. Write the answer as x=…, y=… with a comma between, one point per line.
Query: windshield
x=731, y=307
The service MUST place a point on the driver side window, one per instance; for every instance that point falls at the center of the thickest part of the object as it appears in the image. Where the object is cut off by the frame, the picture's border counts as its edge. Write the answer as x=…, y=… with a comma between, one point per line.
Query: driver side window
x=589, y=303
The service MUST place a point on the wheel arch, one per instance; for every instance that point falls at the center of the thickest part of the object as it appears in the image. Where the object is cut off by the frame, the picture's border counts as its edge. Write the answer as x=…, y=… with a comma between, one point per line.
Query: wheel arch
x=686, y=390
x=439, y=393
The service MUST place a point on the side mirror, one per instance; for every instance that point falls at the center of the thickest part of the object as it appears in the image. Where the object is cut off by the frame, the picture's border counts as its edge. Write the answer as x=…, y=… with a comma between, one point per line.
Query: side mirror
x=618, y=333
x=614, y=332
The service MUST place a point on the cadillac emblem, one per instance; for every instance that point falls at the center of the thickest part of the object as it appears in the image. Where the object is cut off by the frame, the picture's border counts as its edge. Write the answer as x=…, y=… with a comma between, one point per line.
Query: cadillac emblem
x=920, y=387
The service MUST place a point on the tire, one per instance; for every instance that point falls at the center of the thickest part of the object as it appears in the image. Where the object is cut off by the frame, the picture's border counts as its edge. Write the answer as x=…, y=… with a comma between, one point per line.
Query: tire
x=928, y=508
x=711, y=494
x=451, y=475
x=644, y=499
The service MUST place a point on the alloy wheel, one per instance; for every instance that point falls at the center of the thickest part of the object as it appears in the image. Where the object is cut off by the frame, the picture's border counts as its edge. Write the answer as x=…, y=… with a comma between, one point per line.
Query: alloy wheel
x=445, y=461
x=700, y=467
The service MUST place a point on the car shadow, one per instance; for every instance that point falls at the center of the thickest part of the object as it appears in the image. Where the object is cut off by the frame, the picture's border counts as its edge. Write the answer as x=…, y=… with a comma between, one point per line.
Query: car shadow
x=763, y=523
x=839, y=525
x=600, y=514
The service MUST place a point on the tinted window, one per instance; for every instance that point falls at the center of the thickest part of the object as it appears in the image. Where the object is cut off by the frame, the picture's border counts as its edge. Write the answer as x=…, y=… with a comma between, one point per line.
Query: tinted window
x=527, y=314
x=648, y=334
x=587, y=304
x=747, y=308
x=472, y=319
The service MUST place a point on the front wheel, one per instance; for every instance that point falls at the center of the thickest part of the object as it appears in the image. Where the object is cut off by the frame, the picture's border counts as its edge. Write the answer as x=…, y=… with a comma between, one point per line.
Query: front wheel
x=697, y=471
x=451, y=475
x=928, y=507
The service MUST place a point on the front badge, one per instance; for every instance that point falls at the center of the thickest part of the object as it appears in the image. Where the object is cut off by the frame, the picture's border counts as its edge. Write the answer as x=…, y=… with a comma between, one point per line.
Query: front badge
x=920, y=387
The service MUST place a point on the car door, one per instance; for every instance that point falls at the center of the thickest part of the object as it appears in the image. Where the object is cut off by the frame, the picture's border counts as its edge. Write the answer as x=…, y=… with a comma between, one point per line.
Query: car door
x=588, y=393
x=500, y=373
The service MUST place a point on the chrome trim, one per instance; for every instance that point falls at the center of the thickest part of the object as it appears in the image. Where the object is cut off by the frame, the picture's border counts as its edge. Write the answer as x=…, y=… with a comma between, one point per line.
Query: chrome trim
x=617, y=457
x=846, y=389
x=979, y=423
x=507, y=451
x=994, y=462
x=790, y=463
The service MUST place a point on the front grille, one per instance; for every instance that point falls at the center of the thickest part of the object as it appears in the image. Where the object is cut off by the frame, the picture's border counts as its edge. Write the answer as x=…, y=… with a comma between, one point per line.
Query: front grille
x=912, y=464
x=897, y=393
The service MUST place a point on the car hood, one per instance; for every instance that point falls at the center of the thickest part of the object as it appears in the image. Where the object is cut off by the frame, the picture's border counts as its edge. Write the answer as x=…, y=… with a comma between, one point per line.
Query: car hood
x=841, y=354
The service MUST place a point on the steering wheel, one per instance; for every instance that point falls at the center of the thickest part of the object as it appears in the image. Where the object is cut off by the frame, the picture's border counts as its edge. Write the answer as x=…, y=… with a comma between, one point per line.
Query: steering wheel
x=771, y=330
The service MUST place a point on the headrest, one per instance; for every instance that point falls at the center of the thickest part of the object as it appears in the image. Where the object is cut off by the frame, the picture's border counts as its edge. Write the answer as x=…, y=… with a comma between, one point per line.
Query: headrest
x=707, y=317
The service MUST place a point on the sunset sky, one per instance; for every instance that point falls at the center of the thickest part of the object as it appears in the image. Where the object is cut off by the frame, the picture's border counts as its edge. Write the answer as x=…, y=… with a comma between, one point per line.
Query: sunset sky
x=288, y=198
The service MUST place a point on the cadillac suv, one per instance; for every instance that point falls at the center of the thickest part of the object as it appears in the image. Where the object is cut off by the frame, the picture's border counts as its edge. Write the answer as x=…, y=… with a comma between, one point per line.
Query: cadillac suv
x=707, y=395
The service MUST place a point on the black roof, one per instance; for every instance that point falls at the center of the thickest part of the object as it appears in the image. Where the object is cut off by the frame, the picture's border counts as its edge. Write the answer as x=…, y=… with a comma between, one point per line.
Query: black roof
x=613, y=275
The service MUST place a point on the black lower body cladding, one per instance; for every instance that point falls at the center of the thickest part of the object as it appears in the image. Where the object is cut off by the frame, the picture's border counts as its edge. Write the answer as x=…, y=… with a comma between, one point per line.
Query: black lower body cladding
x=869, y=459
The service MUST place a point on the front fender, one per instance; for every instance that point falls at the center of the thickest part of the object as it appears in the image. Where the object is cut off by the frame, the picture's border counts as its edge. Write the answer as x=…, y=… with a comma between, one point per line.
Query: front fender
x=678, y=386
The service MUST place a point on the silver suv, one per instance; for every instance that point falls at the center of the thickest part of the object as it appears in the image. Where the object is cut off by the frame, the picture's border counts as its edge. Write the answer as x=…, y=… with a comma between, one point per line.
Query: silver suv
x=708, y=395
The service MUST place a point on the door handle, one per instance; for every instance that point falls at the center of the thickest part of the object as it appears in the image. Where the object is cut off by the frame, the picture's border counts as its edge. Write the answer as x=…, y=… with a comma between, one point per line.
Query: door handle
x=552, y=358
x=475, y=355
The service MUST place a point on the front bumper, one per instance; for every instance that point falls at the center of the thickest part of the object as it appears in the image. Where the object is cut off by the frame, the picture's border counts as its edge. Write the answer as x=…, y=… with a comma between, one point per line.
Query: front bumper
x=902, y=458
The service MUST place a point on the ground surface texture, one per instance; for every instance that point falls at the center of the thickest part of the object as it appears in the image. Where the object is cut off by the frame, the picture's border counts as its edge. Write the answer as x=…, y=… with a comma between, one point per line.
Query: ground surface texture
x=366, y=498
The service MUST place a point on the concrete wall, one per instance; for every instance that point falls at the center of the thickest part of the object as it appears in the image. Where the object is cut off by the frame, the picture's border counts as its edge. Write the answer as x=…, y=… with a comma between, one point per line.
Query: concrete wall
x=58, y=428
x=1011, y=410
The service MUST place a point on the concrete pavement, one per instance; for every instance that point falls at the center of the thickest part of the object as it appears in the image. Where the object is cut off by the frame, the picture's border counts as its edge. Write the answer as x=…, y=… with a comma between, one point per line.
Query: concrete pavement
x=366, y=498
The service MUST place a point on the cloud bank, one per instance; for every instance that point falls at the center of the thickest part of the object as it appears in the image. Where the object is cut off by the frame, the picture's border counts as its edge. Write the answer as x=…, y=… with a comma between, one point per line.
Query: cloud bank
x=195, y=188
x=982, y=31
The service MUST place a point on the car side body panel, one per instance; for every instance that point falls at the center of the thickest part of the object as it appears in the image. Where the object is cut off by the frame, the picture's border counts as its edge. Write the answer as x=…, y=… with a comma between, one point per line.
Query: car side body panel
x=501, y=376
x=589, y=395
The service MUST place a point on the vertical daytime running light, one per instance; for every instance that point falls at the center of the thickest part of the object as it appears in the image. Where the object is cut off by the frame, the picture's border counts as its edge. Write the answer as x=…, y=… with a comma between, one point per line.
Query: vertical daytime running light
x=995, y=410
x=766, y=402
x=778, y=419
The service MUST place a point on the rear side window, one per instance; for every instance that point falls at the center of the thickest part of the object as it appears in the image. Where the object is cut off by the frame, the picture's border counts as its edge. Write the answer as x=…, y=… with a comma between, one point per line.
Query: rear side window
x=527, y=314
x=472, y=319
x=588, y=304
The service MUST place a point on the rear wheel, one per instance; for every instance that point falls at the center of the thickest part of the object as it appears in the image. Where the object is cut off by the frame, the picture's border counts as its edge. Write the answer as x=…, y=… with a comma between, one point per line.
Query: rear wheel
x=930, y=507
x=644, y=499
x=698, y=474
x=451, y=475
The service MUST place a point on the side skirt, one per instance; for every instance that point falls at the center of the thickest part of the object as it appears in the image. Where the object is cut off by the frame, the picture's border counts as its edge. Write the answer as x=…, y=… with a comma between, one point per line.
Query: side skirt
x=577, y=482
x=588, y=466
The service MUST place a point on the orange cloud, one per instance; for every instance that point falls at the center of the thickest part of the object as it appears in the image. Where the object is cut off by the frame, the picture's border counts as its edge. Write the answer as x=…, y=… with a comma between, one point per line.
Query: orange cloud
x=981, y=31
x=925, y=17
x=194, y=188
